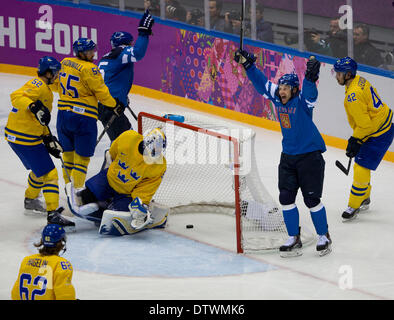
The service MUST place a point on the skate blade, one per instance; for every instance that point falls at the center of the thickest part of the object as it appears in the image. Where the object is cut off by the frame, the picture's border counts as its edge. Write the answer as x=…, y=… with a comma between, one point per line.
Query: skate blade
x=324, y=252
x=364, y=208
x=290, y=254
x=349, y=219
x=34, y=213
x=70, y=229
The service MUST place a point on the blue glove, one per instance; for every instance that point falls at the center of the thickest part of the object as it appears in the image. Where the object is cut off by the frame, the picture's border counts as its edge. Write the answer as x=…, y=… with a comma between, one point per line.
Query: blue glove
x=146, y=24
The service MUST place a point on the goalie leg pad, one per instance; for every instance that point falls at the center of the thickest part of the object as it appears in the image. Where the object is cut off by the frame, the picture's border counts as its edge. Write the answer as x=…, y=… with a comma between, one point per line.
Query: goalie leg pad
x=84, y=211
x=118, y=223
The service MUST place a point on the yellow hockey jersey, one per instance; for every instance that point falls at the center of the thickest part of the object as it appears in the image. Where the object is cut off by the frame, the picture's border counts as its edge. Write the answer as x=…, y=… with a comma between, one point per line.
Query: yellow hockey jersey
x=81, y=86
x=129, y=173
x=367, y=114
x=22, y=126
x=44, y=278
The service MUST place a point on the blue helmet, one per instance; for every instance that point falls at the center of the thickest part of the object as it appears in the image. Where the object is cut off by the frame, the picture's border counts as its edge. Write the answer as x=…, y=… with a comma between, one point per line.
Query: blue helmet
x=290, y=79
x=48, y=64
x=120, y=37
x=52, y=234
x=83, y=44
x=345, y=65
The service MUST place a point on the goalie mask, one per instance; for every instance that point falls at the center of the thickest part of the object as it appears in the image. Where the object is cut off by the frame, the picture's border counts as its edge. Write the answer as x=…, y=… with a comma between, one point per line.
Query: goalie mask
x=155, y=143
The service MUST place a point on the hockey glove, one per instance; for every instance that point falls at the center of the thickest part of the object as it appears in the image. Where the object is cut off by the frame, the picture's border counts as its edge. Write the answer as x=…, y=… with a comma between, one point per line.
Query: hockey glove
x=140, y=214
x=146, y=24
x=312, y=69
x=119, y=108
x=353, y=147
x=245, y=58
x=53, y=145
x=41, y=112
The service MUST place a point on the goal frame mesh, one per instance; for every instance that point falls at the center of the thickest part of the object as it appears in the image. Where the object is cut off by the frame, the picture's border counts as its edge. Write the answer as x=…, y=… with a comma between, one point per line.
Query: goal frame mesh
x=232, y=140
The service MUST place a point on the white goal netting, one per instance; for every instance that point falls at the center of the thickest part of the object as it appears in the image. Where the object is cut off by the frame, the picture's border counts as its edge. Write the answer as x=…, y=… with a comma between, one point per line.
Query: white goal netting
x=211, y=167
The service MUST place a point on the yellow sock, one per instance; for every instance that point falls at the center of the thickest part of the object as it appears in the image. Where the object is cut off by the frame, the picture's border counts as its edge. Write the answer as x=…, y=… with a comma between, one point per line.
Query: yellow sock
x=68, y=159
x=34, y=186
x=361, y=188
x=50, y=190
x=80, y=170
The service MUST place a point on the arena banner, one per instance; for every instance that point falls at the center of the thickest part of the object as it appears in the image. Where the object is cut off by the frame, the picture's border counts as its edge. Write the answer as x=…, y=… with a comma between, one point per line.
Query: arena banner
x=179, y=62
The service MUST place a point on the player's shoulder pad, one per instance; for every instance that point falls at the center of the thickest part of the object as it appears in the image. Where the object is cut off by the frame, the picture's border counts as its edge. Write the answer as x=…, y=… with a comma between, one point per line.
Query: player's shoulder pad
x=90, y=69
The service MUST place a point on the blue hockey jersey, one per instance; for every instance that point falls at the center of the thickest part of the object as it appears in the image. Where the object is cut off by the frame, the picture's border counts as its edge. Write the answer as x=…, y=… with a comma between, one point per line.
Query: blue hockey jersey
x=117, y=67
x=300, y=135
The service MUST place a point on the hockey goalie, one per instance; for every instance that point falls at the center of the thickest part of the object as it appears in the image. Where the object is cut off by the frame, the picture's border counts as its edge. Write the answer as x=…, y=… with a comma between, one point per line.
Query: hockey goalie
x=118, y=197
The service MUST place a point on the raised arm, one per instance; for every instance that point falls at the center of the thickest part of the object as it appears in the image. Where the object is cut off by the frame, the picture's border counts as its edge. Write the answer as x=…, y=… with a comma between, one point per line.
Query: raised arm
x=258, y=79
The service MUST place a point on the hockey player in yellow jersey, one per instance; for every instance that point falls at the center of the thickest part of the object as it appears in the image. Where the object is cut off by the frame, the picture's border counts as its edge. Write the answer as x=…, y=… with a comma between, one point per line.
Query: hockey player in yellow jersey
x=373, y=132
x=28, y=135
x=46, y=275
x=81, y=86
x=133, y=170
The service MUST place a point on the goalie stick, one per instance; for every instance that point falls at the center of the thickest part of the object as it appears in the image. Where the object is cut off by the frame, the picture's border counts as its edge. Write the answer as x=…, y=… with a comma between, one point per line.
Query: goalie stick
x=342, y=167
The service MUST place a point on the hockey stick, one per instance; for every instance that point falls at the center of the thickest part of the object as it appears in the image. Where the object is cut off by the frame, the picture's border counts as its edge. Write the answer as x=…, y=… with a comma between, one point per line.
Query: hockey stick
x=61, y=159
x=112, y=119
x=132, y=113
x=241, y=36
x=342, y=167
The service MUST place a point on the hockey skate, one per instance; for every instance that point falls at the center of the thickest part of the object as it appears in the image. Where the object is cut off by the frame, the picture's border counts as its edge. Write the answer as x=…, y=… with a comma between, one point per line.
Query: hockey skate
x=323, y=246
x=351, y=213
x=365, y=204
x=55, y=217
x=292, y=248
x=34, y=207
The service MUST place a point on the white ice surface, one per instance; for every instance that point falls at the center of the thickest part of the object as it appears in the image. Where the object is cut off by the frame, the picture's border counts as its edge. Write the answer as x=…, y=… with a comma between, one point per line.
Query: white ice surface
x=167, y=264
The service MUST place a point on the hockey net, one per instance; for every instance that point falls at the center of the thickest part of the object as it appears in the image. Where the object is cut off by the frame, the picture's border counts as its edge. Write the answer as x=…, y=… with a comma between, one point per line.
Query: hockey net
x=211, y=167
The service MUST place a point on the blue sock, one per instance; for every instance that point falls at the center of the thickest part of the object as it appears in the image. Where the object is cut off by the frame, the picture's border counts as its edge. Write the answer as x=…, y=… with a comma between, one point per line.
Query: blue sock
x=319, y=218
x=292, y=219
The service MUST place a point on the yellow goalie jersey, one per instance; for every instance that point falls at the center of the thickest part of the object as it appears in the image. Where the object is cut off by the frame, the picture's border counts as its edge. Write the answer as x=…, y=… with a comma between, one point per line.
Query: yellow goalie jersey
x=44, y=278
x=81, y=86
x=22, y=126
x=129, y=173
x=367, y=114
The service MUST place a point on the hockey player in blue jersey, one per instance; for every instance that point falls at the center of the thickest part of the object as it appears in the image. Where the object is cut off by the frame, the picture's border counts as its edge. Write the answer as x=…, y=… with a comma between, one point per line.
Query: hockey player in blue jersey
x=117, y=68
x=301, y=164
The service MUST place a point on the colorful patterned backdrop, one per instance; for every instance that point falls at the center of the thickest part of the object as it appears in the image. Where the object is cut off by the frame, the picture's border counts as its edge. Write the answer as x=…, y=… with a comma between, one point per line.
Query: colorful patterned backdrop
x=180, y=62
x=202, y=68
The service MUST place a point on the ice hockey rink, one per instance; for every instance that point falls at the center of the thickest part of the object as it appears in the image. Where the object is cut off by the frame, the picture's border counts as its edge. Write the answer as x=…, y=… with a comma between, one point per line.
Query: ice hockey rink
x=201, y=263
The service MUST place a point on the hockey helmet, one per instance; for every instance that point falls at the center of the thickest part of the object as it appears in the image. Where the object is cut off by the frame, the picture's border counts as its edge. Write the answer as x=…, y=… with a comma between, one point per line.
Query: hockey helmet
x=290, y=79
x=155, y=143
x=47, y=63
x=345, y=65
x=83, y=44
x=121, y=37
x=52, y=234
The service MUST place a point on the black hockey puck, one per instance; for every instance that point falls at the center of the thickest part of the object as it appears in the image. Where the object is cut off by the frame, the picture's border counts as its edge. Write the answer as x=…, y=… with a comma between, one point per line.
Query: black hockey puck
x=189, y=226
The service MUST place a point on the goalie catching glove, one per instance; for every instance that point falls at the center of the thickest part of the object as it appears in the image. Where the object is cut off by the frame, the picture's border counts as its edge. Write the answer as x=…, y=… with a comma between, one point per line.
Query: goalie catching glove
x=140, y=214
x=53, y=145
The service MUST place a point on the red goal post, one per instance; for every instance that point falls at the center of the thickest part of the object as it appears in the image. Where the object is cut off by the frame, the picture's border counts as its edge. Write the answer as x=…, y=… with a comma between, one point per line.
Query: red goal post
x=211, y=168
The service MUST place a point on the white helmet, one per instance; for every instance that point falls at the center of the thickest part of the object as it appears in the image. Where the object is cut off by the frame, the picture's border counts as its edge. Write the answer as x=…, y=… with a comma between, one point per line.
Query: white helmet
x=155, y=143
